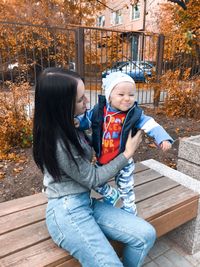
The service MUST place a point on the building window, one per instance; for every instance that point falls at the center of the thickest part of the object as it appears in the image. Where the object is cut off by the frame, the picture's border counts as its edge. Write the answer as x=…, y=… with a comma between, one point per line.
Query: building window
x=101, y=21
x=117, y=17
x=135, y=11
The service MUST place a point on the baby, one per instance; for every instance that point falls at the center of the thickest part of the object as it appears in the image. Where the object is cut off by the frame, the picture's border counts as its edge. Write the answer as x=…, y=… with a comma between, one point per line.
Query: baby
x=111, y=120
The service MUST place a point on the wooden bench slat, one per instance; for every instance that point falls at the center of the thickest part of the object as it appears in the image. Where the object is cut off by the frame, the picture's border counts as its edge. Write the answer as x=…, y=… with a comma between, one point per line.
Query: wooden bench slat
x=69, y=263
x=142, y=177
x=22, y=238
x=140, y=167
x=175, y=218
x=154, y=207
x=46, y=254
x=43, y=254
x=153, y=188
x=22, y=203
x=22, y=218
x=146, y=176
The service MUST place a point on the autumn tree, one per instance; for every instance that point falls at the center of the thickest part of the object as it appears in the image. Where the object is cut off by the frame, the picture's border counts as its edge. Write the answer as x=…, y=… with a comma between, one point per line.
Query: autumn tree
x=34, y=34
x=181, y=3
x=53, y=43
x=182, y=21
x=51, y=12
x=182, y=56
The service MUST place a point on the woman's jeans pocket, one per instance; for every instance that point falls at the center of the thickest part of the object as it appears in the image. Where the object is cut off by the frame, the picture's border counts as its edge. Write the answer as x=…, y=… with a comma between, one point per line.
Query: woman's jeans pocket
x=53, y=227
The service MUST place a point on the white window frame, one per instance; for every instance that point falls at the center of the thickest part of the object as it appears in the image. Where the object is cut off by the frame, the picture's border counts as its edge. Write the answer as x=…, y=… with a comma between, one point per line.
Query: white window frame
x=136, y=14
x=117, y=17
x=101, y=21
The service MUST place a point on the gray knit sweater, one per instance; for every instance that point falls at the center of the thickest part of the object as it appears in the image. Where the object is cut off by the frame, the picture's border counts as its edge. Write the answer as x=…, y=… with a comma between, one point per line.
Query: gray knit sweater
x=82, y=178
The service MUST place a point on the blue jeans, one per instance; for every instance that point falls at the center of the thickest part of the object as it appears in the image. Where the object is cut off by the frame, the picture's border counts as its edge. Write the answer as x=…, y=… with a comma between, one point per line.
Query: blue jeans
x=81, y=225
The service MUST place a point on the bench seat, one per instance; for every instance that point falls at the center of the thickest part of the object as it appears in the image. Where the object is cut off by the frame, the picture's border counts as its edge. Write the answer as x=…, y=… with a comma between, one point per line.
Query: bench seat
x=25, y=242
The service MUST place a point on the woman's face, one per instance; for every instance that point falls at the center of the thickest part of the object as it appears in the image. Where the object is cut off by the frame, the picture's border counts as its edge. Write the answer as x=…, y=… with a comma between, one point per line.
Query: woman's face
x=81, y=99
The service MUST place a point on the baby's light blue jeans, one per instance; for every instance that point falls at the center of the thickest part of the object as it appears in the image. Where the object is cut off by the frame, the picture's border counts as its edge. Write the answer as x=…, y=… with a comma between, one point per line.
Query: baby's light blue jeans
x=82, y=226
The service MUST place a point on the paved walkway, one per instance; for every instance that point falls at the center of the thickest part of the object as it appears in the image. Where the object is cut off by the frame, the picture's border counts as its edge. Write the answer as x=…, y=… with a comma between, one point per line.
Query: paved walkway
x=166, y=253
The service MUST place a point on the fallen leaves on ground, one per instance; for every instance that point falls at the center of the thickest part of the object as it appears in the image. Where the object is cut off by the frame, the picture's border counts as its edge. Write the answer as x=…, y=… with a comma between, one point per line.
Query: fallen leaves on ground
x=152, y=145
x=2, y=175
x=17, y=170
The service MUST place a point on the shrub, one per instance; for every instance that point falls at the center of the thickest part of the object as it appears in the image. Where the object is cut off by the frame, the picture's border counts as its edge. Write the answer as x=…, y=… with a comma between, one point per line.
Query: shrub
x=15, y=122
x=183, y=97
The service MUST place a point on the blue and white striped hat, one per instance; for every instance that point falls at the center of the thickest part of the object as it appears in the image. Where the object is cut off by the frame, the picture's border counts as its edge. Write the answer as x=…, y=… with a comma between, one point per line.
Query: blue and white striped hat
x=113, y=79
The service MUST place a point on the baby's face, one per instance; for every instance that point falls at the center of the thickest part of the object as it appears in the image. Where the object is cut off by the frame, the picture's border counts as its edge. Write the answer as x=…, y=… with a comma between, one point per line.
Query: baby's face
x=122, y=96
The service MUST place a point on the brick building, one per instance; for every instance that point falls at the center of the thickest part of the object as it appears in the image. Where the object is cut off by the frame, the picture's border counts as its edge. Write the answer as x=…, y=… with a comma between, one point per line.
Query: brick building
x=123, y=15
x=143, y=16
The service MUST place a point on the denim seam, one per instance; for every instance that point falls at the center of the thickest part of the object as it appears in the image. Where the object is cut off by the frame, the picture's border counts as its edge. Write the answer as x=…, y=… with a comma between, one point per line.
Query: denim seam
x=120, y=230
x=70, y=214
x=125, y=232
x=142, y=254
x=77, y=228
x=59, y=241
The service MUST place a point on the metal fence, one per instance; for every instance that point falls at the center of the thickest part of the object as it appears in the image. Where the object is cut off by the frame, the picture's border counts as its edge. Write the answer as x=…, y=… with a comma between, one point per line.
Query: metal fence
x=25, y=50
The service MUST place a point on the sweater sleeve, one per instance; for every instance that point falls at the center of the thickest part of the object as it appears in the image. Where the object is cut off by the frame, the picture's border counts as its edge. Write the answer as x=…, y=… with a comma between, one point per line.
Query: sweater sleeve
x=153, y=129
x=86, y=173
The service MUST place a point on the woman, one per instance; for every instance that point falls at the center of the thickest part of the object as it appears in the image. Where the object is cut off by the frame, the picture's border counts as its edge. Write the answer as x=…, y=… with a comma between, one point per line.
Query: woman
x=76, y=222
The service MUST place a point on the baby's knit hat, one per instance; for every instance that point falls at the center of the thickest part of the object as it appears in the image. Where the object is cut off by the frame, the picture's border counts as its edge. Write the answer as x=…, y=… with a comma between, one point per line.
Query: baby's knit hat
x=113, y=79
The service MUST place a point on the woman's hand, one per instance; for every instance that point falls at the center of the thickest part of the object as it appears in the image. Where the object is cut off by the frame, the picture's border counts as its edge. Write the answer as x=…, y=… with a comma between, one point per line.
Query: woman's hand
x=132, y=144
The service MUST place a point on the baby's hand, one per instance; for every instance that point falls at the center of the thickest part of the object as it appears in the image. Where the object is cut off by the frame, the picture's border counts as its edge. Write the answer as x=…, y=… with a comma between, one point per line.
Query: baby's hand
x=165, y=145
x=76, y=122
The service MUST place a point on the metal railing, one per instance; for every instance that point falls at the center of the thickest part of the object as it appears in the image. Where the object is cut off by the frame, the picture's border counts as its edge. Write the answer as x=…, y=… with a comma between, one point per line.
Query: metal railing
x=25, y=50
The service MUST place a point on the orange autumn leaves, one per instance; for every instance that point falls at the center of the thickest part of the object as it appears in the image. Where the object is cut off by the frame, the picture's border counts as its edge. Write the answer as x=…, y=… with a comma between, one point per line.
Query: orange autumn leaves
x=15, y=124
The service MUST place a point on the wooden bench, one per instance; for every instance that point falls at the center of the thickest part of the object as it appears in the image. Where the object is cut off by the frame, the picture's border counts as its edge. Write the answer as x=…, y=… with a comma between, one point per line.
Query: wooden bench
x=25, y=242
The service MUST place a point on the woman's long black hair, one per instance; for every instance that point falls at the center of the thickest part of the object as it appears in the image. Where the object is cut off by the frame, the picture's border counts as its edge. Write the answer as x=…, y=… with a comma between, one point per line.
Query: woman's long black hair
x=55, y=98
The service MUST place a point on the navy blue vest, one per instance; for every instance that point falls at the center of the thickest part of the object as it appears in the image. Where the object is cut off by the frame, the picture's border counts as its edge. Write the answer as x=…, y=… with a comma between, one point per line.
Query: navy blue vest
x=132, y=118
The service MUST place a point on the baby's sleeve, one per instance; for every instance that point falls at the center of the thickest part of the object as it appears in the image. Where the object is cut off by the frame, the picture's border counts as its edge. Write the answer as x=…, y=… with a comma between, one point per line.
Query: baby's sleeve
x=85, y=120
x=153, y=129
